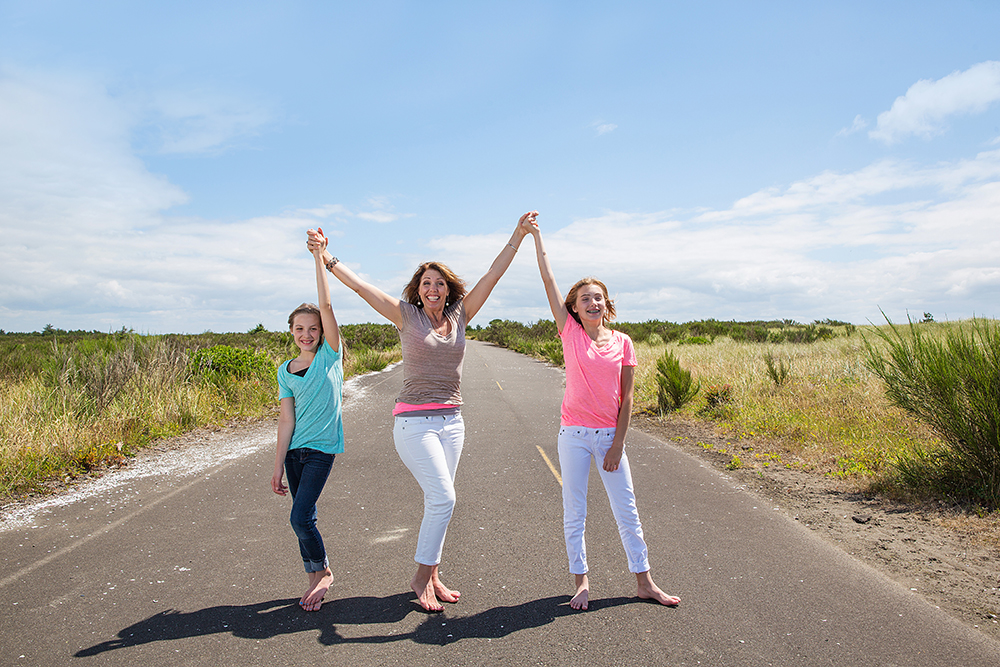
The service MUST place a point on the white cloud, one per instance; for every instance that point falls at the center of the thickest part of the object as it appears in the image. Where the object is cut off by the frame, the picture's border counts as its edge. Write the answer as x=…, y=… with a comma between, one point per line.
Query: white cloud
x=65, y=157
x=925, y=107
x=196, y=121
x=858, y=125
x=86, y=239
x=378, y=216
x=326, y=211
x=826, y=247
x=380, y=211
x=603, y=128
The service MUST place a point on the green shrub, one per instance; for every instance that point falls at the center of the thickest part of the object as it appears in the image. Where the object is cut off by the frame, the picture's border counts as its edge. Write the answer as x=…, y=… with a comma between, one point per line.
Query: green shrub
x=695, y=340
x=222, y=362
x=553, y=351
x=366, y=360
x=374, y=336
x=749, y=334
x=674, y=384
x=718, y=395
x=951, y=383
x=777, y=369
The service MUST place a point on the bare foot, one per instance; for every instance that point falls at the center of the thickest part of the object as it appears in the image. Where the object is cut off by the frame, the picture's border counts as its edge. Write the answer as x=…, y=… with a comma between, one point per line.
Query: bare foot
x=430, y=591
x=650, y=591
x=424, y=588
x=313, y=578
x=582, y=597
x=319, y=584
x=442, y=592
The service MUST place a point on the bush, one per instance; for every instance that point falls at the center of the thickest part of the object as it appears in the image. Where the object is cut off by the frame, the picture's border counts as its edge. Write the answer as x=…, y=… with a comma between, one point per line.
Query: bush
x=718, y=395
x=675, y=386
x=366, y=360
x=373, y=336
x=952, y=383
x=695, y=340
x=777, y=369
x=553, y=351
x=220, y=363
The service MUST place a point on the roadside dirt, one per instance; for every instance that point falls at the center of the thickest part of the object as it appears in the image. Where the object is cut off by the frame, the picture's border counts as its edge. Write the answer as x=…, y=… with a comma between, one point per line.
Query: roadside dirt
x=948, y=556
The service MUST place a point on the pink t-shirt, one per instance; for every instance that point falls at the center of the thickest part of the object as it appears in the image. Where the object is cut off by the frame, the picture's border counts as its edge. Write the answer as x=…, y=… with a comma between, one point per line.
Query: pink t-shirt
x=593, y=376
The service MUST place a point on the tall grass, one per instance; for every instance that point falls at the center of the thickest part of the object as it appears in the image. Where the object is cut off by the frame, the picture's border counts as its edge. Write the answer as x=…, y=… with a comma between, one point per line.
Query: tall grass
x=910, y=412
x=70, y=403
x=831, y=415
x=952, y=383
x=675, y=385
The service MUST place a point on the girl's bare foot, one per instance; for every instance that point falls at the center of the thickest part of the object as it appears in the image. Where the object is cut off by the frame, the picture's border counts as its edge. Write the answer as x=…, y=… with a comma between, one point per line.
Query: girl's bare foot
x=313, y=578
x=582, y=597
x=650, y=591
x=319, y=584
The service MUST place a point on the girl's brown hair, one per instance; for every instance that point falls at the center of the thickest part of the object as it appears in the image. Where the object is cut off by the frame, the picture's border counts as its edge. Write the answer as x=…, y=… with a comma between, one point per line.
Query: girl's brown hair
x=456, y=286
x=570, y=302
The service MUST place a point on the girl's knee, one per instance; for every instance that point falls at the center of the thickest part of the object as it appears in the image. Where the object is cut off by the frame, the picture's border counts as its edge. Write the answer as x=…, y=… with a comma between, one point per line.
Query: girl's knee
x=302, y=524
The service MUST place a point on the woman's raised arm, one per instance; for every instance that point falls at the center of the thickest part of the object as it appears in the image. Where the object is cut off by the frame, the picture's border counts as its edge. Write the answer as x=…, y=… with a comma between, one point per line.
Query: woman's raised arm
x=477, y=296
x=385, y=305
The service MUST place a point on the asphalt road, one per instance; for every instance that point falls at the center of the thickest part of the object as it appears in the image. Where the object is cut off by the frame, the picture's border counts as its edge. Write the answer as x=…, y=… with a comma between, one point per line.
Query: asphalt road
x=188, y=559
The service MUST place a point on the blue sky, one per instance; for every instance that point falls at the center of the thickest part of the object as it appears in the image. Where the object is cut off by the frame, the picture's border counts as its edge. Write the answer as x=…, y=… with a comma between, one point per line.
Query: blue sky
x=160, y=162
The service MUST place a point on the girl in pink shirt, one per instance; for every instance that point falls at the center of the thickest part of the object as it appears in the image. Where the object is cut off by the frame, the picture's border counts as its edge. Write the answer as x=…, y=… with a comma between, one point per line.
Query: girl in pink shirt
x=596, y=409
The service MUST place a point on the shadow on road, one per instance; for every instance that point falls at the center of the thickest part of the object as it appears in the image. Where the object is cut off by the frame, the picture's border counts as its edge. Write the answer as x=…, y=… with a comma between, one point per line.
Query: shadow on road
x=265, y=620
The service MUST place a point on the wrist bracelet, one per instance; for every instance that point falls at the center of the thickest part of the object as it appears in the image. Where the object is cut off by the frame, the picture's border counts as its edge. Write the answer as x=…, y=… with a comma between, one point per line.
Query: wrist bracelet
x=512, y=246
x=332, y=263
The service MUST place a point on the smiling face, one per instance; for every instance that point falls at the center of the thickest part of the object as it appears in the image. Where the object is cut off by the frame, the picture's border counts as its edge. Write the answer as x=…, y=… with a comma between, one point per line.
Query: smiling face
x=433, y=290
x=591, y=304
x=588, y=302
x=307, y=331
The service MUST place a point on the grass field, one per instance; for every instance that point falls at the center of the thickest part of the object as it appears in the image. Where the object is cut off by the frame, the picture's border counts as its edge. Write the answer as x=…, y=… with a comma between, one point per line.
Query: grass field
x=830, y=414
x=74, y=402
x=804, y=394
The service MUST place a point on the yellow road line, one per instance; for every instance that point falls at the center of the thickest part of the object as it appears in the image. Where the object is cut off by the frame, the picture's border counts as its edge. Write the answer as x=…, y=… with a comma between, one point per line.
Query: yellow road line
x=549, y=464
x=498, y=384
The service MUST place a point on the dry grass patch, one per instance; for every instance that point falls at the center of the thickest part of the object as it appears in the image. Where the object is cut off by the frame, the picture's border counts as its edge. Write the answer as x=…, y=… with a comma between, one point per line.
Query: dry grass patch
x=830, y=414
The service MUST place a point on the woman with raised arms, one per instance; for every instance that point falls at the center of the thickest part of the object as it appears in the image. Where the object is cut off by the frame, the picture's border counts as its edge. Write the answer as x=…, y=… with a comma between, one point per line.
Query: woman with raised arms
x=596, y=410
x=429, y=432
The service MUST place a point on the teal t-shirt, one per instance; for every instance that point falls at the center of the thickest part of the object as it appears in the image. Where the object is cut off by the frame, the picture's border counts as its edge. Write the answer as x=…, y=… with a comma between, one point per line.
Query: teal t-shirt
x=318, y=424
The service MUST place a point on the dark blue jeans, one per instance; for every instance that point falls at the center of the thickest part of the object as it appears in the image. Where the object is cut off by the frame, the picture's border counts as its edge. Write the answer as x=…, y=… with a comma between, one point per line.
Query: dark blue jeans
x=307, y=471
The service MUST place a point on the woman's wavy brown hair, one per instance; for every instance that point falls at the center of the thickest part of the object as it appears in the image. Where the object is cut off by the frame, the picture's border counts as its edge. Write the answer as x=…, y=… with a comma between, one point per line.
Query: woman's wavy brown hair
x=456, y=286
x=570, y=302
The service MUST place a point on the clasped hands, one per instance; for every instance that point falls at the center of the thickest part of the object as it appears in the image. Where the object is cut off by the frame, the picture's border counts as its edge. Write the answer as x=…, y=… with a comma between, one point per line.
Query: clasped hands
x=316, y=240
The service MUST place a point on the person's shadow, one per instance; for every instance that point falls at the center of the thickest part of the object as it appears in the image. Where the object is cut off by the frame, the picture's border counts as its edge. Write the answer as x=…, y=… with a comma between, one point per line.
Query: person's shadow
x=265, y=620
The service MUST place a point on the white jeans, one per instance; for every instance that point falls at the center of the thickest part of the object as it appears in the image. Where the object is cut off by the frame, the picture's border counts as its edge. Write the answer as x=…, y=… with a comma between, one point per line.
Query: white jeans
x=577, y=446
x=430, y=447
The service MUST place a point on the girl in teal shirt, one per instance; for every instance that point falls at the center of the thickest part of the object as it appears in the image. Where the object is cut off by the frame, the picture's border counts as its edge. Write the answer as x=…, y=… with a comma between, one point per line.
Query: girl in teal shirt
x=310, y=428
